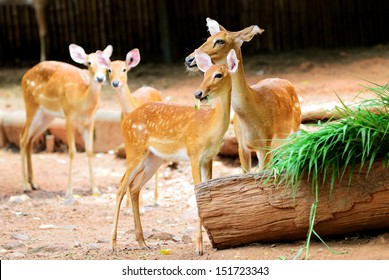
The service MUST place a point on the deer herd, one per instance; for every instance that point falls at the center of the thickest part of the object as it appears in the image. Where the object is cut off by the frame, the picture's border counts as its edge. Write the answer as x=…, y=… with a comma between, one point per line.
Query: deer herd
x=153, y=130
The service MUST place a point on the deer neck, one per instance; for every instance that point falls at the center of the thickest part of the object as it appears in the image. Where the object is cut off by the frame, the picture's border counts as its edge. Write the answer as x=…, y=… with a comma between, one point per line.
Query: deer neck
x=93, y=94
x=221, y=112
x=127, y=101
x=241, y=92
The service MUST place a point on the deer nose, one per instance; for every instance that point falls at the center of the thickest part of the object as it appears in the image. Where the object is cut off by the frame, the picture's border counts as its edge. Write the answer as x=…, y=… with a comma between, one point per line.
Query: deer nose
x=100, y=79
x=189, y=60
x=198, y=94
x=115, y=83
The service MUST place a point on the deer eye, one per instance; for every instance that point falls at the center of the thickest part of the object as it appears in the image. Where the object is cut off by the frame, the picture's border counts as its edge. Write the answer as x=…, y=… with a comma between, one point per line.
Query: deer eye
x=124, y=70
x=218, y=76
x=109, y=70
x=218, y=42
x=89, y=63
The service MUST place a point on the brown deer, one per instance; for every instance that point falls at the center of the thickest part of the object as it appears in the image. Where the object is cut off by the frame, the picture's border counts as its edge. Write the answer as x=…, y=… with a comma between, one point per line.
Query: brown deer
x=161, y=131
x=55, y=89
x=117, y=73
x=266, y=112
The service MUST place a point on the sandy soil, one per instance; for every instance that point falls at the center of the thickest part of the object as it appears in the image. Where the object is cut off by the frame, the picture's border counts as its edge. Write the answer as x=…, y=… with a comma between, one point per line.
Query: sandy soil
x=42, y=225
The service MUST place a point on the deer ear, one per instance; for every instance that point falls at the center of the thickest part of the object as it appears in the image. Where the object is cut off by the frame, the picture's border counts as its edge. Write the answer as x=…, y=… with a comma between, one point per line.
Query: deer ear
x=78, y=54
x=232, y=61
x=132, y=58
x=108, y=51
x=214, y=27
x=203, y=61
x=103, y=59
x=247, y=34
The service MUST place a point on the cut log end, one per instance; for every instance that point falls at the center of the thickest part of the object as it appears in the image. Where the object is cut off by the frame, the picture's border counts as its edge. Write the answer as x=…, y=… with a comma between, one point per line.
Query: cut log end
x=241, y=209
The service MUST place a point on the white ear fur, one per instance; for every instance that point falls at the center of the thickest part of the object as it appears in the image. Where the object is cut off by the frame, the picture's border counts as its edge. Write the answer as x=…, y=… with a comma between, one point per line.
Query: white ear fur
x=203, y=61
x=77, y=53
x=132, y=58
x=213, y=26
x=108, y=51
x=102, y=59
x=258, y=30
x=232, y=61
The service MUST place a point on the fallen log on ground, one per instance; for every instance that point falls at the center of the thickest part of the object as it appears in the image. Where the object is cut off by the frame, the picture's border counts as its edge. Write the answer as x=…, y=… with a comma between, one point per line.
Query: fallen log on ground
x=241, y=209
x=335, y=110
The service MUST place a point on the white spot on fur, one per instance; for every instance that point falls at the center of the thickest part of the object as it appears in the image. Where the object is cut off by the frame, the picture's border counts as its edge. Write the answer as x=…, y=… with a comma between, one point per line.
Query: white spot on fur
x=31, y=83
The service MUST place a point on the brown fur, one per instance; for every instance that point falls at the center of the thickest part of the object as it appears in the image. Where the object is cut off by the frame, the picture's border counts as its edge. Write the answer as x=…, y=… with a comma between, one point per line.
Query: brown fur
x=265, y=112
x=157, y=131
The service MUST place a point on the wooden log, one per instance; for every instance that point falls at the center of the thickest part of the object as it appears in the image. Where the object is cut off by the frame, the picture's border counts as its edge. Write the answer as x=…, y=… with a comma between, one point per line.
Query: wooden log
x=333, y=110
x=241, y=209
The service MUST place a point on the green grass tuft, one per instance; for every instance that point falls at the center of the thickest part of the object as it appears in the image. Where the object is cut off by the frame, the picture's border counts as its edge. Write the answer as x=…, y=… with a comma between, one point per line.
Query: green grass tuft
x=360, y=136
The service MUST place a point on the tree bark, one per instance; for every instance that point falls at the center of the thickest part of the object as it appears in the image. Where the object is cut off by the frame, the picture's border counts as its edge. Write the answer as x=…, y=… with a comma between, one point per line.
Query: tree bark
x=242, y=209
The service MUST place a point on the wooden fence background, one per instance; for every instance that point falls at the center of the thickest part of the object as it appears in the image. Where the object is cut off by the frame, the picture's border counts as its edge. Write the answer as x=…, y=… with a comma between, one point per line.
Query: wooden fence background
x=167, y=30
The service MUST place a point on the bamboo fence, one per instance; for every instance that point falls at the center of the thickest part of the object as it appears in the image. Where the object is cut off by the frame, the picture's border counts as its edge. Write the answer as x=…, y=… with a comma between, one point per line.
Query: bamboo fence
x=167, y=30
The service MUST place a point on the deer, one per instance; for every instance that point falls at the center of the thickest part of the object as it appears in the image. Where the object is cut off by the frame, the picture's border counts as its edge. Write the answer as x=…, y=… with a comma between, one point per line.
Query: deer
x=40, y=8
x=117, y=73
x=155, y=132
x=53, y=89
x=265, y=113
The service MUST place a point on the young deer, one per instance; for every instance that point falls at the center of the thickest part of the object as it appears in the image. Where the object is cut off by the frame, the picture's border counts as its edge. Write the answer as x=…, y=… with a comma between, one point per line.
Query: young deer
x=55, y=89
x=265, y=112
x=117, y=72
x=161, y=131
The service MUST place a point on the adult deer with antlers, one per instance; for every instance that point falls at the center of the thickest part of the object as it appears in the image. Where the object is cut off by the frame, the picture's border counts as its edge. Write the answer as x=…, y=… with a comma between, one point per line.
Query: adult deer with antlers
x=161, y=131
x=55, y=89
x=117, y=73
x=265, y=112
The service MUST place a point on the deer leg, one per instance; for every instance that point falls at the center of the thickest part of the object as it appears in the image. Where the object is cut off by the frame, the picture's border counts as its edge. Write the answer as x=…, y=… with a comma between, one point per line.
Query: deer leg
x=134, y=190
x=137, y=174
x=244, y=158
x=128, y=205
x=119, y=197
x=153, y=160
x=243, y=151
x=196, y=173
x=132, y=182
x=264, y=155
x=125, y=187
x=206, y=171
x=44, y=122
x=33, y=128
x=147, y=170
x=23, y=155
x=156, y=193
x=88, y=140
x=206, y=174
x=72, y=150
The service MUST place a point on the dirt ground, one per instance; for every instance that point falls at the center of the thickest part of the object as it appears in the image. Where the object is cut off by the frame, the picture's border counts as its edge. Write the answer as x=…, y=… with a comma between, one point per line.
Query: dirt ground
x=42, y=225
